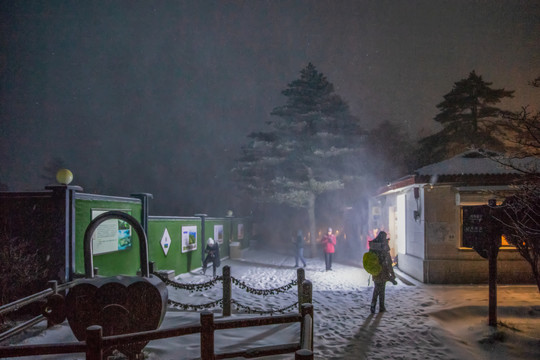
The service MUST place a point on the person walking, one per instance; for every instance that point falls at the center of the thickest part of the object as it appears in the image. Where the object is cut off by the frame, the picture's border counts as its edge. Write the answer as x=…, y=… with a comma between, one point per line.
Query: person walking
x=299, y=249
x=212, y=251
x=379, y=245
x=329, y=244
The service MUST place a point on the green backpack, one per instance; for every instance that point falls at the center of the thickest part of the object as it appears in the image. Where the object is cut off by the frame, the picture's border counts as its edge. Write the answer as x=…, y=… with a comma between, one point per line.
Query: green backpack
x=371, y=263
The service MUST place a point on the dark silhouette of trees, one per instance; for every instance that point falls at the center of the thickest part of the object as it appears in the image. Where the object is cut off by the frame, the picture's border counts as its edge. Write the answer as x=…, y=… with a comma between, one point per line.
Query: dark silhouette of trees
x=469, y=118
x=520, y=213
x=522, y=130
x=520, y=218
x=390, y=152
x=313, y=147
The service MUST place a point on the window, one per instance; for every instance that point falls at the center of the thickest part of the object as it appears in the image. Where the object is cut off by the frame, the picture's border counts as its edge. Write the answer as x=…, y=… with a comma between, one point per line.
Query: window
x=473, y=225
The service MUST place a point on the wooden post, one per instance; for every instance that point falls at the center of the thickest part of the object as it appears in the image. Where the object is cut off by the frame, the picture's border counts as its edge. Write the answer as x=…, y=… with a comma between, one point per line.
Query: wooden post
x=307, y=320
x=227, y=289
x=492, y=280
x=94, y=346
x=207, y=335
x=494, y=233
x=306, y=292
x=300, y=277
x=53, y=284
x=303, y=354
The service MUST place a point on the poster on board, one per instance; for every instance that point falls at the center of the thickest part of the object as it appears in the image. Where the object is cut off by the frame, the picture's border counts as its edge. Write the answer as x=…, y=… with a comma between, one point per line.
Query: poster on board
x=240, y=231
x=218, y=233
x=111, y=235
x=189, y=238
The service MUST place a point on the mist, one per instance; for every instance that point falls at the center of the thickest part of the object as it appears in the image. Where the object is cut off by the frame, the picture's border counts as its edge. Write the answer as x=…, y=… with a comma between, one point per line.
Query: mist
x=158, y=97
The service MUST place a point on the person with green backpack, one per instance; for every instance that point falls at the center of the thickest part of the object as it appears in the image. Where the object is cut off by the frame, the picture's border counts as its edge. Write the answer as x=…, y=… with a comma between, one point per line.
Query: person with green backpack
x=378, y=263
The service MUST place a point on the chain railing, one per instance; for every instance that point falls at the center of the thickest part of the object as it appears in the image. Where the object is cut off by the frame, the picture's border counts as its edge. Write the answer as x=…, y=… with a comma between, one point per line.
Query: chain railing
x=96, y=345
x=95, y=342
x=264, y=292
x=226, y=301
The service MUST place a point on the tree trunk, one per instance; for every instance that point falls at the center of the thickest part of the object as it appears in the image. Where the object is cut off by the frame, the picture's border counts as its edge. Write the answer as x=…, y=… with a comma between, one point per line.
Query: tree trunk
x=312, y=224
x=536, y=275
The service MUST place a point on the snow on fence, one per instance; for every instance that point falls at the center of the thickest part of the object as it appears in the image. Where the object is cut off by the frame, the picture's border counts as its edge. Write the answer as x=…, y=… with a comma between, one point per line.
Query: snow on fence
x=96, y=344
x=303, y=286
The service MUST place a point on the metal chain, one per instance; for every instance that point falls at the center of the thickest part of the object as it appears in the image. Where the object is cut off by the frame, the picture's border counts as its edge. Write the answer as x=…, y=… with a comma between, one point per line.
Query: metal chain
x=261, y=312
x=191, y=287
x=195, y=307
x=242, y=285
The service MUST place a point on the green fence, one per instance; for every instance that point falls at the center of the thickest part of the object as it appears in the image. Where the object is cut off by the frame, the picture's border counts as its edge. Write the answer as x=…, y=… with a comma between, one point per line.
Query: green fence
x=53, y=224
x=174, y=242
x=168, y=240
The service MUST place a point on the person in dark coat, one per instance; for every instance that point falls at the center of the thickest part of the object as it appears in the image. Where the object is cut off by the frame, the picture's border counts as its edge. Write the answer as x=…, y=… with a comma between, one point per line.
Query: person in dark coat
x=212, y=254
x=299, y=249
x=380, y=246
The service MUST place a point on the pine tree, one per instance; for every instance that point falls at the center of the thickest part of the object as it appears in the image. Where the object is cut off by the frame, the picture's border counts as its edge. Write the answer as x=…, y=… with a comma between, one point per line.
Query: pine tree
x=312, y=147
x=469, y=119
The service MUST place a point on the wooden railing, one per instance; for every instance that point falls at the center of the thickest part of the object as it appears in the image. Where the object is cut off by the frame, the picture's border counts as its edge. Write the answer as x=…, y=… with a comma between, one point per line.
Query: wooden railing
x=18, y=304
x=227, y=301
x=96, y=344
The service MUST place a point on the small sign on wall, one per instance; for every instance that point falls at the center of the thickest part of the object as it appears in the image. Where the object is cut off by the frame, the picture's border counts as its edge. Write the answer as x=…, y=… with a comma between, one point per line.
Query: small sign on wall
x=218, y=233
x=111, y=235
x=166, y=242
x=189, y=238
x=240, y=231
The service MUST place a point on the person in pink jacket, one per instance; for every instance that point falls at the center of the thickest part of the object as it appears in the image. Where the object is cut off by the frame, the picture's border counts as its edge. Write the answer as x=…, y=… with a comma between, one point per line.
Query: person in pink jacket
x=329, y=242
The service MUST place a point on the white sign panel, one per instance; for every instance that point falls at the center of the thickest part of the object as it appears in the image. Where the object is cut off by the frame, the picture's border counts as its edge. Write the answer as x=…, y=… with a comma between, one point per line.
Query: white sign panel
x=110, y=235
x=189, y=238
x=165, y=242
x=218, y=233
x=240, y=231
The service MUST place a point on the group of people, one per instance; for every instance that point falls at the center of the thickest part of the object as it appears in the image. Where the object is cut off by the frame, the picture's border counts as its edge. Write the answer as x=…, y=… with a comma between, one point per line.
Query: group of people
x=328, y=241
x=379, y=245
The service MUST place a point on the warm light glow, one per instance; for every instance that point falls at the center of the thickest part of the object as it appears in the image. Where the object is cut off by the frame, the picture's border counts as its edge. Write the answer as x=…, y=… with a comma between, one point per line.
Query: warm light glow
x=64, y=176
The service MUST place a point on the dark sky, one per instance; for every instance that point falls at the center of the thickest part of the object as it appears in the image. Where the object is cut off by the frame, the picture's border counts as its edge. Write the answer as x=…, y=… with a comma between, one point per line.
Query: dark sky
x=158, y=96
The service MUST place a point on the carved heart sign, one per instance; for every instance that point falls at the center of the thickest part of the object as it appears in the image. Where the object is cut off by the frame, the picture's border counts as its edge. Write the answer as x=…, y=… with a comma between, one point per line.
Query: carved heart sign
x=120, y=305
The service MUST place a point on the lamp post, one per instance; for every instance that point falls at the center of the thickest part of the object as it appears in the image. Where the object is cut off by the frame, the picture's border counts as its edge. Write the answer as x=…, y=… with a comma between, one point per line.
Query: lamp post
x=230, y=216
x=64, y=193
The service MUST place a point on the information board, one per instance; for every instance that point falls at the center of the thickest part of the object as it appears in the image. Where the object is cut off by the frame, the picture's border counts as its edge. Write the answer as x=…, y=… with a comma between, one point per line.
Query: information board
x=111, y=235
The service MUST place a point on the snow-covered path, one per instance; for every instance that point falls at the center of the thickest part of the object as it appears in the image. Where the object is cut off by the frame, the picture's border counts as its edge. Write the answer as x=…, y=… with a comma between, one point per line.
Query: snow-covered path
x=422, y=321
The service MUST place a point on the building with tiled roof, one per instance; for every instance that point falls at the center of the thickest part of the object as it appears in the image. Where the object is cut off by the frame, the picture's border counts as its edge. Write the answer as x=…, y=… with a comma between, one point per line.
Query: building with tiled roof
x=423, y=215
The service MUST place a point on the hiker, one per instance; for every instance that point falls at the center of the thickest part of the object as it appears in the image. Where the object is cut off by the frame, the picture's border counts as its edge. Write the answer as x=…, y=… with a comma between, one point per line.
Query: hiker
x=212, y=250
x=299, y=249
x=329, y=243
x=379, y=245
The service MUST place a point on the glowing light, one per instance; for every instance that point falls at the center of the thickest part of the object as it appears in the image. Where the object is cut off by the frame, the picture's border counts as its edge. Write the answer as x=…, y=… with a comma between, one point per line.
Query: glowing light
x=64, y=176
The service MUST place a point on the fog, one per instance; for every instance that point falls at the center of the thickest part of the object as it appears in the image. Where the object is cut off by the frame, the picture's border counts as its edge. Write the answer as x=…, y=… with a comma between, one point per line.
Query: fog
x=158, y=96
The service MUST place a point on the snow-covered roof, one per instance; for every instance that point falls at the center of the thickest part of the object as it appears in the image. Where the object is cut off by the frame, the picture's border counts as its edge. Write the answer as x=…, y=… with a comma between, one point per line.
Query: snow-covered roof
x=474, y=162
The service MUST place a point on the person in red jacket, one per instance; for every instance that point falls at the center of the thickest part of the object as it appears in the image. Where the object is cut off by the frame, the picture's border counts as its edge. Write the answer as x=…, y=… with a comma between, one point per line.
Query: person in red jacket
x=329, y=242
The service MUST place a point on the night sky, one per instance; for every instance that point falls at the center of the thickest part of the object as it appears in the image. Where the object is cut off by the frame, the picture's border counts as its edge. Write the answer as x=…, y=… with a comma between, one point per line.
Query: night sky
x=158, y=96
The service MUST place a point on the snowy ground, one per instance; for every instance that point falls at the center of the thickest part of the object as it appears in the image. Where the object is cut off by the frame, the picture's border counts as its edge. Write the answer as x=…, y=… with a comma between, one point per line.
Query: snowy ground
x=422, y=321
